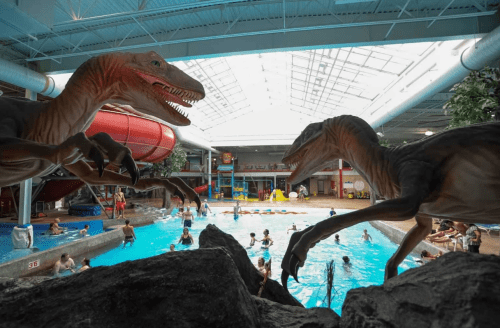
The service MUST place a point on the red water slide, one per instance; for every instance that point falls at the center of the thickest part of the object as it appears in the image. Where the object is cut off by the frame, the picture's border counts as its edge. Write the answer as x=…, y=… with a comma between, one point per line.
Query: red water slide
x=203, y=188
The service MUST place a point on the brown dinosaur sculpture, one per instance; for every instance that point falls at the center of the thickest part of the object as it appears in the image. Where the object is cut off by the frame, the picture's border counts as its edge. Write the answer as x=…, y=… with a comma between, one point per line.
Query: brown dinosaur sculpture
x=36, y=138
x=454, y=174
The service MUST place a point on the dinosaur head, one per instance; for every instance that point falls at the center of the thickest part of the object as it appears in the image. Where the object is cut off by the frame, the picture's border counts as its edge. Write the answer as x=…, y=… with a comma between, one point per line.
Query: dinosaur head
x=312, y=151
x=144, y=81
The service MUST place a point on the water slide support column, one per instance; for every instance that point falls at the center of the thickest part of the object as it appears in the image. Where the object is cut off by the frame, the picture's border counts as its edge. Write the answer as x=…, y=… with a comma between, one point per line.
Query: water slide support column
x=341, y=185
x=209, y=174
x=26, y=185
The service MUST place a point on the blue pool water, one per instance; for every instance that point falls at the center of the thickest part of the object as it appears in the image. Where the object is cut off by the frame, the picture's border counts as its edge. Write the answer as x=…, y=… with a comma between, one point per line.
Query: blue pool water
x=368, y=258
x=43, y=242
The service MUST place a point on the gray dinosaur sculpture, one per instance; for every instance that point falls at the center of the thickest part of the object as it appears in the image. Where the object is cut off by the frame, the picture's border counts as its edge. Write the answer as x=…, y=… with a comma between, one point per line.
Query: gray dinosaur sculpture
x=453, y=175
x=36, y=138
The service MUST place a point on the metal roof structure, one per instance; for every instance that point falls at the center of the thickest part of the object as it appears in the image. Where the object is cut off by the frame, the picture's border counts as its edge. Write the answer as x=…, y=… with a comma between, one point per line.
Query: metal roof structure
x=269, y=67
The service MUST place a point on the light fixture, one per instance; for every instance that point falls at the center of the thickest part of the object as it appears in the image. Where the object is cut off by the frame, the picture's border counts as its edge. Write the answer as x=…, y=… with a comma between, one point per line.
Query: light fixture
x=256, y=150
x=429, y=133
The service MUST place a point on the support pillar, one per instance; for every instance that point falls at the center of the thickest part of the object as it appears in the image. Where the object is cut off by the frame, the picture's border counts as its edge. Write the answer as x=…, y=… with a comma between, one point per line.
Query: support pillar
x=26, y=186
x=341, y=185
x=209, y=174
x=25, y=203
x=202, y=161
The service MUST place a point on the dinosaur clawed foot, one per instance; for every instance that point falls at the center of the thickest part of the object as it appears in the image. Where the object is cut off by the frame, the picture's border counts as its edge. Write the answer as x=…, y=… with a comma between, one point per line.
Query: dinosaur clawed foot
x=129, y=164
x=190, y=194
x=296, y=254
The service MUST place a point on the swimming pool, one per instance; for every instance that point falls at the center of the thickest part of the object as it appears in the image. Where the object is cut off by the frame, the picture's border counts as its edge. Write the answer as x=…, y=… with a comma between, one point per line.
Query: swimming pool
x=43, y=242
x=368, y=258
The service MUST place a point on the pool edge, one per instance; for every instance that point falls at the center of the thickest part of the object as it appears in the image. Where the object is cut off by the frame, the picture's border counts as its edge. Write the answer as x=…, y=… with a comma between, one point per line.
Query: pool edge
x=396, y=235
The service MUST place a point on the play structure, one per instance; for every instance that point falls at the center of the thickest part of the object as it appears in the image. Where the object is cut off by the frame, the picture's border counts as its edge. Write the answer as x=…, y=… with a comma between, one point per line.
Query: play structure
x=225, y=179
x=279, y=196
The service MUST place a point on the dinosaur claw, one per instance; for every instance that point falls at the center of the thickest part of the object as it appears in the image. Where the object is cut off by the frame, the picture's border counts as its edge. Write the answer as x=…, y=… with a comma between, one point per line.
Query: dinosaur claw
x=96, y=156
x=198, y=203
x=294, y=266
x=284, y=279
x=179, y=194
x=131, y=167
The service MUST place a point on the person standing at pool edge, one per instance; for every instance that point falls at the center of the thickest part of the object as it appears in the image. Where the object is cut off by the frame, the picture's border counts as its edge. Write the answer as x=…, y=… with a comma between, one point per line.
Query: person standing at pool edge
x=120, y=203
x=129, y=233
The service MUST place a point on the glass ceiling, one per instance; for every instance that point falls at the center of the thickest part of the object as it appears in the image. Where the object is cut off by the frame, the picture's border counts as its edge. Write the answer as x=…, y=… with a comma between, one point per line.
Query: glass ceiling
x=269, y=95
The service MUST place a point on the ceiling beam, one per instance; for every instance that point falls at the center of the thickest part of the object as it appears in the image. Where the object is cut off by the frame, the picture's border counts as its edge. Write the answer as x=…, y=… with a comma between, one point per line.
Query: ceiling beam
x=261, y=36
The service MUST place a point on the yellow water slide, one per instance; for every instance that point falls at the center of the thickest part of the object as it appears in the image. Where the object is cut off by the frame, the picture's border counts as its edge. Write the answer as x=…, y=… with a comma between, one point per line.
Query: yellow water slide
x=279, y=196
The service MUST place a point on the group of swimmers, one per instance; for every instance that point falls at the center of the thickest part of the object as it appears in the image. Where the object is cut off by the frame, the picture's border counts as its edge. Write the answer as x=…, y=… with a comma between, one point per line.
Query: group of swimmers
x=266, y=241
x=66, y=263
x=55, y=229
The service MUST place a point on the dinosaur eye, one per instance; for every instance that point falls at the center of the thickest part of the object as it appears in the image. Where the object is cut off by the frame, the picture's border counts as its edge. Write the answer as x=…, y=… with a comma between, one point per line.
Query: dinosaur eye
x=156, y=63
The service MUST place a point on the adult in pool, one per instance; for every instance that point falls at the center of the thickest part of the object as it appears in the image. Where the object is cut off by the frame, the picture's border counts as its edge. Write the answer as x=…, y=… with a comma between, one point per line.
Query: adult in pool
x=186, y=237
x=85, y=265
x=129, y=233
x=266, y=241
x=205, y=208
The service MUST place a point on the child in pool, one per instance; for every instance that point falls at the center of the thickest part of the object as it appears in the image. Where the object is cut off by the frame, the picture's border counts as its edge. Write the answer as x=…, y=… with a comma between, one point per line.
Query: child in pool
x=252, y=239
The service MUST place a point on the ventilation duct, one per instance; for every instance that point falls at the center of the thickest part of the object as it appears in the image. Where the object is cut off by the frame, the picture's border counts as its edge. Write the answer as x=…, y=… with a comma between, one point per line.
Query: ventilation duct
x=473, y=58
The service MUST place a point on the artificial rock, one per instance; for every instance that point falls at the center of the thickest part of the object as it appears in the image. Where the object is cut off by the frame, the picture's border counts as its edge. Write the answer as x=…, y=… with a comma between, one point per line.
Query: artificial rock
x=212, y=236
x=456, y=290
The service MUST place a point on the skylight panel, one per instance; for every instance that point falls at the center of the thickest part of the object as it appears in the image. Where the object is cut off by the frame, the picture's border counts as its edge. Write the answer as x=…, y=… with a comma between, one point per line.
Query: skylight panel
x=356, y=59
x=375, y=63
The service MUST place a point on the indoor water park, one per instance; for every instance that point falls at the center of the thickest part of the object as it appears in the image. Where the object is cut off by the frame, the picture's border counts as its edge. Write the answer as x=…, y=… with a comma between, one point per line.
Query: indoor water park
x=249, y=163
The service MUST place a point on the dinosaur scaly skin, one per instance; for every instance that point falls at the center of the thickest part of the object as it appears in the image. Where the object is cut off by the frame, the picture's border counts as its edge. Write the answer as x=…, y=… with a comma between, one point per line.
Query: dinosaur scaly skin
x=36, y=138
x=453, y=175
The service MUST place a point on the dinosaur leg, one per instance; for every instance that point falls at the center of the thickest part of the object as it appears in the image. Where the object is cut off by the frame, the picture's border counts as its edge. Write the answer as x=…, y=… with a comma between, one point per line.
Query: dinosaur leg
x=70, y=151
x=412, y=238
x=190, y=193
x=391, y=210
x=92, y=177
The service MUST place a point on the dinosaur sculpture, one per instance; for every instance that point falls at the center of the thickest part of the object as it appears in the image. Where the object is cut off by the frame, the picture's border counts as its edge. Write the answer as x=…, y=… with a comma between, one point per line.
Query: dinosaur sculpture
x=36, y=138
x=454, y=174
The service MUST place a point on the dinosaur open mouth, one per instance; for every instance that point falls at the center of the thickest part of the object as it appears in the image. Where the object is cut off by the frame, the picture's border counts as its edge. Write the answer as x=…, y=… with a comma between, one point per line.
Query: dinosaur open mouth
x=295, y=158
x=172, y=94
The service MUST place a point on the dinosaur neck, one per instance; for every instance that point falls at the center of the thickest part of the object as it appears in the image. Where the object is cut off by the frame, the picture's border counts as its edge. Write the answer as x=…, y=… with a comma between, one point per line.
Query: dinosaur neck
x=72, y=111
x=360, y=148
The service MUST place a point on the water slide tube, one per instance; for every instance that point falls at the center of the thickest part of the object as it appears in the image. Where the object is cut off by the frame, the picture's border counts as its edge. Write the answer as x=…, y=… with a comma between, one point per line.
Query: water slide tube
x=203, y=188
